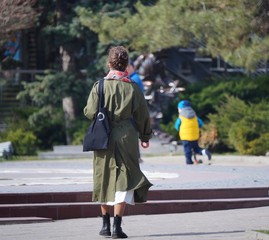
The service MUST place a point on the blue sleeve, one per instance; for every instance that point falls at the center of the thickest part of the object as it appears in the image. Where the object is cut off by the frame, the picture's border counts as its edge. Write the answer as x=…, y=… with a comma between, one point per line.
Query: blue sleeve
x=177, y=124
x=135, y=77
x=140, y=84
x=200, y=122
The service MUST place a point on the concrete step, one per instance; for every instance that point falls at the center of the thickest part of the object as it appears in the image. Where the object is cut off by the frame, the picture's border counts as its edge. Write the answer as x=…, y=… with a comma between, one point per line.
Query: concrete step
x=67, y=149
x=65, y=152
x=157, y=147
x=56, y=155
x=47, y=197
x=57, y=211
x=19, y=220
x=66, y=205
x=174, y=194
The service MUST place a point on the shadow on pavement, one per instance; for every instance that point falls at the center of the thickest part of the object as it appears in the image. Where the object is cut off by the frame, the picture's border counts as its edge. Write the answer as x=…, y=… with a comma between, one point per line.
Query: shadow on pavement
x=190, y=234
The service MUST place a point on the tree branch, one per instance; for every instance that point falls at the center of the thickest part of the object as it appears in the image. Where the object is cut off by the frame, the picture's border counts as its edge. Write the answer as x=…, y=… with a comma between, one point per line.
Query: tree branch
x=16, y=15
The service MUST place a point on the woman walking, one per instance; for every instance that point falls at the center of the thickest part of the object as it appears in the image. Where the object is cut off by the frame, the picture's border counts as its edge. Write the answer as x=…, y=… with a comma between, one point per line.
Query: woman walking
x=118, y=179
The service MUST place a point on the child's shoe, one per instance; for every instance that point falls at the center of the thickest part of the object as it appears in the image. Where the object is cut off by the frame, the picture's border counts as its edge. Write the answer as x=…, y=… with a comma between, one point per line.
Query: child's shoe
x=205, y=152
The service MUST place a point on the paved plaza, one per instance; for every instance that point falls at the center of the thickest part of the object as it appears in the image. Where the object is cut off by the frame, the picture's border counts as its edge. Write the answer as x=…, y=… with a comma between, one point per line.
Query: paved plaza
x=165, y=172
x=236, y=224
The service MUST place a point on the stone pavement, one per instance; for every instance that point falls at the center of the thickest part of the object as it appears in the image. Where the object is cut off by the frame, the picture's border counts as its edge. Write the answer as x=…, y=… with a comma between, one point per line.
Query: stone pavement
x=165, y=172
x=215, y=225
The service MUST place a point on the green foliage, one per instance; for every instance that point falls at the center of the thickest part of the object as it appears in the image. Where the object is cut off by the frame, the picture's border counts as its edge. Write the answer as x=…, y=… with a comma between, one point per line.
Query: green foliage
x=78, y=131
x=52, y=87
x=91, y=16
x=238, y=31
x=242, y=126
x=23, y=141
x=259, y=146
x=48, y=130
x=227, y=114
x=8, y=63
x=170, y=115
x=205, y=96
x=47, y=92
x=170, y=129
x=60, y=20
x=263, y=231
x=45, y=119
x=235, y=112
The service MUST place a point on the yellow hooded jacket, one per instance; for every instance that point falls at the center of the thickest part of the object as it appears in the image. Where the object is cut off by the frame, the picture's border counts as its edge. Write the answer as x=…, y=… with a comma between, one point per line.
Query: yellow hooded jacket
x=189, y=129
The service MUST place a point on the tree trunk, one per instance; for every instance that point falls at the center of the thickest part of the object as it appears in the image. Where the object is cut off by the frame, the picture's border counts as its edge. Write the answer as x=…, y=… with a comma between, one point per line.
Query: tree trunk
x=69, y=115
x=68, y=65
x=68, y=103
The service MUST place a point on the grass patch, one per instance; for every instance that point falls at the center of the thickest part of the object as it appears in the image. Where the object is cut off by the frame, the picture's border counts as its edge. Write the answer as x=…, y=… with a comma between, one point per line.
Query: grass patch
x=20, y=158
x=263, y=231
x=35, y=158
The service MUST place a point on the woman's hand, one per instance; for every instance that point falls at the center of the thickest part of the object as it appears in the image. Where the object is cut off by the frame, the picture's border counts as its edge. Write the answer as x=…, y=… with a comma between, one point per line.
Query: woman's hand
x=144, y=144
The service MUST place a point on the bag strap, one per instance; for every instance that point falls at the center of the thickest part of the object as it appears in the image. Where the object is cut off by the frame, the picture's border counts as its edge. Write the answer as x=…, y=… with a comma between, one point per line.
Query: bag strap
x=101, y=94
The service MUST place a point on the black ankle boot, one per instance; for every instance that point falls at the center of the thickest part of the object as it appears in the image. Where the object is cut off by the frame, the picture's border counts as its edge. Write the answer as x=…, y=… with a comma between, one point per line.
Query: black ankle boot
x=117, y=231
x=105, y=231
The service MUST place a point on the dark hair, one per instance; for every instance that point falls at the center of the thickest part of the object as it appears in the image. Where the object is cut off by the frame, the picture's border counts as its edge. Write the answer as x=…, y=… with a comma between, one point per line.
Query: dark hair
x=118, y=58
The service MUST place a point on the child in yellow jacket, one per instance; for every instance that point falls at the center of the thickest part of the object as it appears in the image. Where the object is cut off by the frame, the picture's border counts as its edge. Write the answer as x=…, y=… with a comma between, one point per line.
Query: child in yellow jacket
x=188, y=125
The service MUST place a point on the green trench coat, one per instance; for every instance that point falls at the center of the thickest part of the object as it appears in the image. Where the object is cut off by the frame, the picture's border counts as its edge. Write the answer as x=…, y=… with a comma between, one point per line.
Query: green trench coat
x=117, y=168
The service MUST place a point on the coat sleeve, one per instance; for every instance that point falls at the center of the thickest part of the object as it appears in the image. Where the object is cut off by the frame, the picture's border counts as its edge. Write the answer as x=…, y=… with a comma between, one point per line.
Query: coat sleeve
x=177, y=124
x=200, y=122
x=141, y=118
x=92, y=103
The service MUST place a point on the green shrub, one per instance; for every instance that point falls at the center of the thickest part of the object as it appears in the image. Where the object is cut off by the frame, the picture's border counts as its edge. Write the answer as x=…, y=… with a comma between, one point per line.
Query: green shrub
x=235, y=111
x=250, y=134
x=239, y=135
x=78, y=130
x=48, y=127
x=243, y=126
x=205, y=96
x=259, y=146
x=170, y=129
x=227, y=113
x=24, y=142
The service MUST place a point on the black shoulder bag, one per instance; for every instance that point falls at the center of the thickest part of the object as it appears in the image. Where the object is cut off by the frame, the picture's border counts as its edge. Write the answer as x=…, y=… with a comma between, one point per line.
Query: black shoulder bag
x=97, y=134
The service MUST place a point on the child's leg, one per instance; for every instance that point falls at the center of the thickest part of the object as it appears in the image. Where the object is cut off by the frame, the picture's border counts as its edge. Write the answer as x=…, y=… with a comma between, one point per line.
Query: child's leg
x=187, y=151
x=195, y=160
x=201, y=151
x=205, y=152
x=196, y=147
